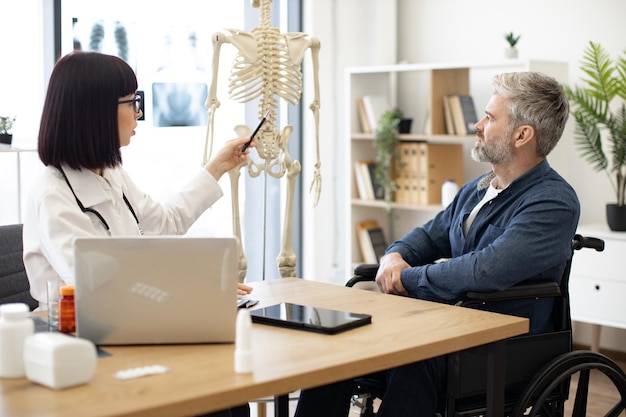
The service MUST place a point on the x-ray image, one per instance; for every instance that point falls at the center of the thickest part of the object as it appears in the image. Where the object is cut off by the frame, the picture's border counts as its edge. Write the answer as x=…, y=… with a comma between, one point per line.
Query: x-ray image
x=107, y=36
x=179, y=104
x=179, y=83
x=173, y=70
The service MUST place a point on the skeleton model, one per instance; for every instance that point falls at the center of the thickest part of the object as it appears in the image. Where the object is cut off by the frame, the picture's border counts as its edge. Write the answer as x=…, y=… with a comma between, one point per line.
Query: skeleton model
x=267, y=67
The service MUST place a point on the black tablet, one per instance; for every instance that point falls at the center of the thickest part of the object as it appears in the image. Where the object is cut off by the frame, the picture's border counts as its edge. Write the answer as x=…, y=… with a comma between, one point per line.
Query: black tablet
x=309, y=318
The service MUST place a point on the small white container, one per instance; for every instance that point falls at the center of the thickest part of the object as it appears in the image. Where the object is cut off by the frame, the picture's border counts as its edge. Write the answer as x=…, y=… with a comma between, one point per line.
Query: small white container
x=448, y=190
x=15, y=327
x=59, y=361
x=243, y=343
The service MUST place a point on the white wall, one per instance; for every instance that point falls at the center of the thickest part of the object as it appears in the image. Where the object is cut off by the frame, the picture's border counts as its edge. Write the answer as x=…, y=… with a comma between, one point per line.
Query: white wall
x=21, y=94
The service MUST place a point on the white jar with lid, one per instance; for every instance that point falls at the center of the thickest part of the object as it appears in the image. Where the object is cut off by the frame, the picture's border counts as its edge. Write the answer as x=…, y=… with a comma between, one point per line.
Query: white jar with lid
x=15, y=327
x=449, y=189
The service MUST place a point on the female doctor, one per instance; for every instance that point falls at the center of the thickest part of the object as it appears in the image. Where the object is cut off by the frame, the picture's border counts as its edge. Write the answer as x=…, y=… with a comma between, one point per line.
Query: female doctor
x=91, y=110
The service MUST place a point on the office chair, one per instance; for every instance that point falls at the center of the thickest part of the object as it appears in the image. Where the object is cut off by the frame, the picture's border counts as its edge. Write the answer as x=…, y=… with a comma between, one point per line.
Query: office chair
x=14, y=285
x=538, y=367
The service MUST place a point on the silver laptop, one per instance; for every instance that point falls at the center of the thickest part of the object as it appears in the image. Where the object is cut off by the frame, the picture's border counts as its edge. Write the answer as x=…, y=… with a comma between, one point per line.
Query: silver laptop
x=156, y=290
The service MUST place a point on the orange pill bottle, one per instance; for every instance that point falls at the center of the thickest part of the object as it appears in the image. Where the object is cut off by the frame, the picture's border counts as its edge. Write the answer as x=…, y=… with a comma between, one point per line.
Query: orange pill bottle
x=67, y=311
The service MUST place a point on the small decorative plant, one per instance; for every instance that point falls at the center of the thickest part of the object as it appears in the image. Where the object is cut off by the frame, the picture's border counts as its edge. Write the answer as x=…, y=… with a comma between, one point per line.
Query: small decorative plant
x=385, y=141
x=6, y=125
x=599, y=109
x=512, y=39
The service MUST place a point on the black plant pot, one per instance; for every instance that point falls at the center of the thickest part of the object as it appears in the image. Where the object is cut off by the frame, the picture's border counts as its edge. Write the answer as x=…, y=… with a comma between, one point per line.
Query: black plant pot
x=616, y=217
x=405, y=125
x=6, y=138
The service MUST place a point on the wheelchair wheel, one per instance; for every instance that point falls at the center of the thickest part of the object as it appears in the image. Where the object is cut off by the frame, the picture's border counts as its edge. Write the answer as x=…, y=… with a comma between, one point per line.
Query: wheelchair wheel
x=534, y=401
x=363, y=404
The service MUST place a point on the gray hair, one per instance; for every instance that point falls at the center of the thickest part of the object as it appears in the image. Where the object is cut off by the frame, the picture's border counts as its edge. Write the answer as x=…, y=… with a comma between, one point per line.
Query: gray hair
x=537, y=100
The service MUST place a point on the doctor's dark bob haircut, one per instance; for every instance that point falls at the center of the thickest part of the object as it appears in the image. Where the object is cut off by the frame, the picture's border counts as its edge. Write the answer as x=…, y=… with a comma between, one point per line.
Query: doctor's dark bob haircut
x=79, y=121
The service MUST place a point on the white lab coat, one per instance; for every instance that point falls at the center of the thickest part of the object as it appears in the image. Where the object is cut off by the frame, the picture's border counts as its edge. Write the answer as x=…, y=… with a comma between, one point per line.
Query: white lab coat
x=53, y=219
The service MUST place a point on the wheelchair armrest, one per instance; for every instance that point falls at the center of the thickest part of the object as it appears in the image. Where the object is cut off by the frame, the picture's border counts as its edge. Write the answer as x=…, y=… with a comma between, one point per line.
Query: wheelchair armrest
x=517, y=292
x=363, y=273
x=367, y=273
x=580, y=242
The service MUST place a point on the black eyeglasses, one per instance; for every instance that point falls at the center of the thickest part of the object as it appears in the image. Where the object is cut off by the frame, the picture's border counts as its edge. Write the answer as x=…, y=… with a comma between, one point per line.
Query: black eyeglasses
x=137, y=100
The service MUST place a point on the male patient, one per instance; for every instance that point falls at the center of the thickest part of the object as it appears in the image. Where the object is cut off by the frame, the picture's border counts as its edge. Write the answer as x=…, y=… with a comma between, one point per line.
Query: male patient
x=512, y=224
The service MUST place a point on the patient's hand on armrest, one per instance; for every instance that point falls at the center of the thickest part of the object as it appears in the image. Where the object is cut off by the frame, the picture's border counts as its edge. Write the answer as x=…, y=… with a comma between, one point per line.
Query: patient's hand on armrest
x=388, y=276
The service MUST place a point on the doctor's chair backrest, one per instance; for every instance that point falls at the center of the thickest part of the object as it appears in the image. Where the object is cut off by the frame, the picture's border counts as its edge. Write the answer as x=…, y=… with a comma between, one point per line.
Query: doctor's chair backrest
x=14, y=285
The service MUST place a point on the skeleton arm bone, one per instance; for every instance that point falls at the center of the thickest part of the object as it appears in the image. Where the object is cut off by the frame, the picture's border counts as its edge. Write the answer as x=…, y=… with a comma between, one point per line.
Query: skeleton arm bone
x=298, y=43
x=316, y=184
x=234, y=174
x=212, y=103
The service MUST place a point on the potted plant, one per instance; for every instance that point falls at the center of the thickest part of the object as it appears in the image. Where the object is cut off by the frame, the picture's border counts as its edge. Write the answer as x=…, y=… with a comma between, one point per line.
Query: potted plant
x=599, y=109
x=512, y=40
x=6, y=126
x=385, y=141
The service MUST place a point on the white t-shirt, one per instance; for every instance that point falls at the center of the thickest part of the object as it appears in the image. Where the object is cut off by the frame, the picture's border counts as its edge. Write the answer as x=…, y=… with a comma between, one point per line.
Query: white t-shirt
x=490, y=194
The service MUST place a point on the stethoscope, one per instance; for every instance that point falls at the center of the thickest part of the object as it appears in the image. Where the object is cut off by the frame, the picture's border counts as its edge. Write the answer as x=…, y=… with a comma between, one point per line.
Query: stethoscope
x=95, y=212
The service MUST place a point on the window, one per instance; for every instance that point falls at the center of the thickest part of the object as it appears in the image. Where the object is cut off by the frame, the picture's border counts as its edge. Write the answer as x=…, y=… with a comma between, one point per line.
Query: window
x=171, y=51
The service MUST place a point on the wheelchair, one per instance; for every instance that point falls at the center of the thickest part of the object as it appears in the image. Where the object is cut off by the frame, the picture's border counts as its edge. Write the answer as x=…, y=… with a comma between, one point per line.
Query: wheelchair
x=539, y=367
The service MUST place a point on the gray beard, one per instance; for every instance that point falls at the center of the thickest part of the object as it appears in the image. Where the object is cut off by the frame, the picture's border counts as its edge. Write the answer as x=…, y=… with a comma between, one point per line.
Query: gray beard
x=493, y=155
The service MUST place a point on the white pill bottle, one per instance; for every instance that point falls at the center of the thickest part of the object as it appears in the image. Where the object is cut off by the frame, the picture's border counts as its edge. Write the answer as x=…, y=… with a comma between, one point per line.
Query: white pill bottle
x=448, y=191
x=15, y=327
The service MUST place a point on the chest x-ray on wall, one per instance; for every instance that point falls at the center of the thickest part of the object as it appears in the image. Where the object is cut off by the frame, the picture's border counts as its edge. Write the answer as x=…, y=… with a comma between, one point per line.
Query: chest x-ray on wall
x=106, y=36
x=177, y=99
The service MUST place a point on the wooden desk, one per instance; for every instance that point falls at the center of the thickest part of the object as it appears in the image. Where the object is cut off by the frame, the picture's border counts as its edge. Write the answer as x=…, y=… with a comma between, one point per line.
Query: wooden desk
x=202, y=377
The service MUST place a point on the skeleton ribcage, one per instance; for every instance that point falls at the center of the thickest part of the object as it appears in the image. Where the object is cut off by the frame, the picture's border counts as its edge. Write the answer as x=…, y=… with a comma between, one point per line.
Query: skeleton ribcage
x=273, y=75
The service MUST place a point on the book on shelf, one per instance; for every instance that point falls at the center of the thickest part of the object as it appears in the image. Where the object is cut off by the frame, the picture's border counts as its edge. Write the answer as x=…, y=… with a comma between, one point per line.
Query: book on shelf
x=378, y=242
x=365, y=176
x=463, y=114
x=371, y=241
x=447, y=116
x=374, y=106
x=407, y=175
x=378, y=190
x=438, y=163
x=359, y=178
x=369, y=183
x=470, y=117
x=365, y=123
x=422, y=168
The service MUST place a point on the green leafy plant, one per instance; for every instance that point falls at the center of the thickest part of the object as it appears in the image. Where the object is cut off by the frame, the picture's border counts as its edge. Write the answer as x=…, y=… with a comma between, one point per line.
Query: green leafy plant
x=385, y=141
x=512, y=39
x=599, y=109
x=6, y=124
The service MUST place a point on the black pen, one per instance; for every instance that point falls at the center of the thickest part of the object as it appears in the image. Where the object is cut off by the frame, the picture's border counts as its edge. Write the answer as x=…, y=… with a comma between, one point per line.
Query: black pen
x=245, y=145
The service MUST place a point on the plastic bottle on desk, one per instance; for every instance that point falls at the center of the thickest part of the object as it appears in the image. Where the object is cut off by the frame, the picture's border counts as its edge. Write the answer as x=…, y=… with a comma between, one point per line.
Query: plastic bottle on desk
x=448, y=190
x=67, y=314
x=15, y=327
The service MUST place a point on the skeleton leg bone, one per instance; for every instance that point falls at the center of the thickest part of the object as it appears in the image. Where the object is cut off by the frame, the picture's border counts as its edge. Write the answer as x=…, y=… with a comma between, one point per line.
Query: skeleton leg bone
x=234, y=175
x=286, y=260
